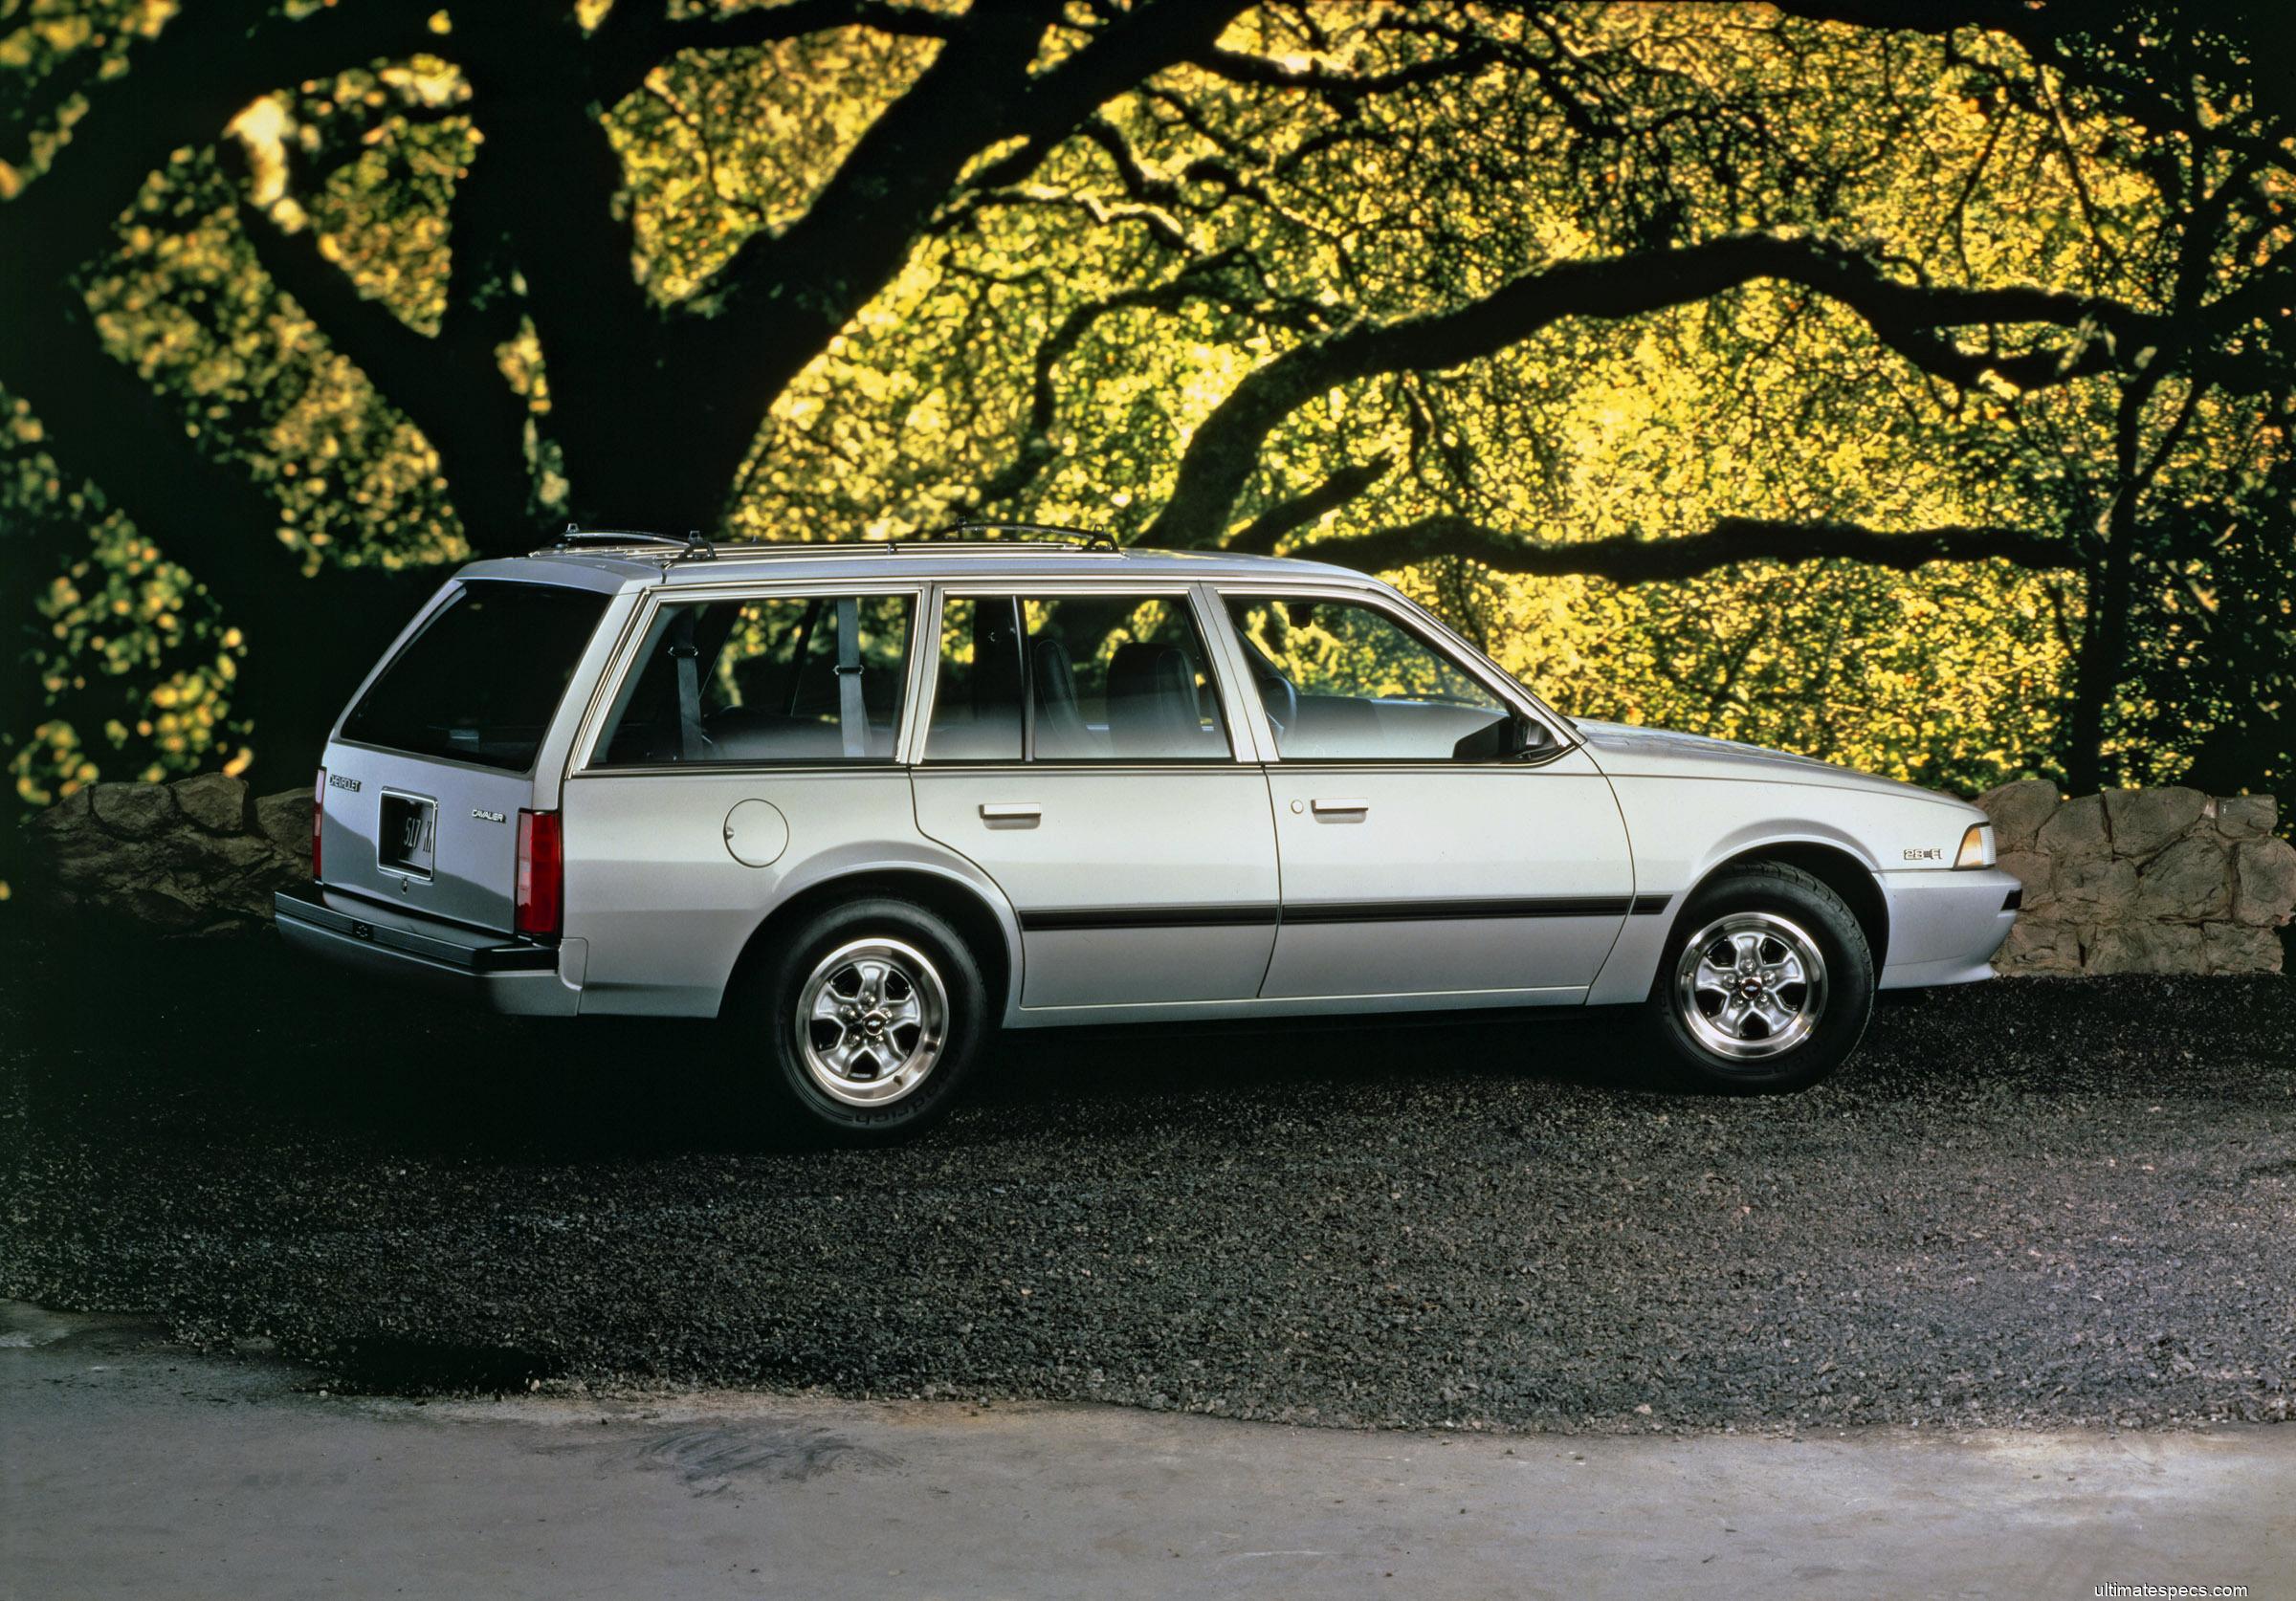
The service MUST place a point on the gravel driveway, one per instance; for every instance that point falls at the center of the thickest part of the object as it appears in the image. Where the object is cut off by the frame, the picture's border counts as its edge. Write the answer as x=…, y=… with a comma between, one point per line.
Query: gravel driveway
x=2026, y=1202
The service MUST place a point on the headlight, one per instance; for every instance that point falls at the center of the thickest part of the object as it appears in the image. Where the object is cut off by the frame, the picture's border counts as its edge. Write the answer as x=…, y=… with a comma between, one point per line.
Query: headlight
x=1976, y=847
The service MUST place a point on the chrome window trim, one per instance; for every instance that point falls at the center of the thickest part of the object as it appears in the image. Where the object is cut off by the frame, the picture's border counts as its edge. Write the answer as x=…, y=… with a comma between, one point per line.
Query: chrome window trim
x=1129, y=764
x=608, y=676
x=455, y=762
x=1098, y=583
x=812, y=766
x=1431, y=631
x=1236, y=669
x=586, y=764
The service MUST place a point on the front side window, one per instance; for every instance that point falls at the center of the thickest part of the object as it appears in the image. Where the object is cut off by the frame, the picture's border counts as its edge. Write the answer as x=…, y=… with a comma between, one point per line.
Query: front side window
x=481, y=682
x=1342, y=681
x=1074, y=678
x=785, y=678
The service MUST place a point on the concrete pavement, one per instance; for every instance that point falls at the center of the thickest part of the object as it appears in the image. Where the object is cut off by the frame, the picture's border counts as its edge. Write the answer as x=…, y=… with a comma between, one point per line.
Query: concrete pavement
x=132, y=1468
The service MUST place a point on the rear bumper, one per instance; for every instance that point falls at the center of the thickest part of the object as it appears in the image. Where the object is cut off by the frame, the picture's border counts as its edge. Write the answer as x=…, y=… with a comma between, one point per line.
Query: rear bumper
x=515, y=976
x=1945, y=925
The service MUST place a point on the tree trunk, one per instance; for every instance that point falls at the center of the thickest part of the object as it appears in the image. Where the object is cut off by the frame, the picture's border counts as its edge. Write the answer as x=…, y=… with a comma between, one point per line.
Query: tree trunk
x=2103, y=656
x=308, y=640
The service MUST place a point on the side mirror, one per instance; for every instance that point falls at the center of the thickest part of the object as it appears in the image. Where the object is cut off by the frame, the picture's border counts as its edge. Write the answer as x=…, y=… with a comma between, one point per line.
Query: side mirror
x=1498, y=739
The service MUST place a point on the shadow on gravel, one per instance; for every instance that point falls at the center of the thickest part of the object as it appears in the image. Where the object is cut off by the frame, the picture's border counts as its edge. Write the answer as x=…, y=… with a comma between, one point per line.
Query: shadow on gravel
x=390, y=1364
x=239, y=1041
x=231, y=1039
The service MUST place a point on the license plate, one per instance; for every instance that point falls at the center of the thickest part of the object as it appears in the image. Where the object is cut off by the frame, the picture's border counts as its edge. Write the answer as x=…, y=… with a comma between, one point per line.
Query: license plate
x=408, y=840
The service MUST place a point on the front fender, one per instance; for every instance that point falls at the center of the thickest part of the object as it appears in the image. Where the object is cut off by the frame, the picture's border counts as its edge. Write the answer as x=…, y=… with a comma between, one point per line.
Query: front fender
x=1681, y=829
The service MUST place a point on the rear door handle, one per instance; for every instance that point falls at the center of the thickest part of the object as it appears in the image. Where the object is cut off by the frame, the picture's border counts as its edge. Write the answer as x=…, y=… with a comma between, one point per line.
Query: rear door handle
x=1010, y=811
x=1341, y=808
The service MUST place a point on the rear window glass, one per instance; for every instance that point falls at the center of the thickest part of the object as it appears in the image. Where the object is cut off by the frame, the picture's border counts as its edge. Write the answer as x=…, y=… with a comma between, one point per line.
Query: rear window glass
x=483, y=679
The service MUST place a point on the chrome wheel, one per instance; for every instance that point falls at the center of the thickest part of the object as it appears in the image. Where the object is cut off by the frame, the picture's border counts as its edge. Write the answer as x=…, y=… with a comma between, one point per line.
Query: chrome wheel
x=1749, y=985
x=871, y=1022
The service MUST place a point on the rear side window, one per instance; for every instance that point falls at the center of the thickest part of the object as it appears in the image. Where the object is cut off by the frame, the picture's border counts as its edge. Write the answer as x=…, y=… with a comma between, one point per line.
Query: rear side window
x=482, y=681
x=1093, y=677
x=773, y=679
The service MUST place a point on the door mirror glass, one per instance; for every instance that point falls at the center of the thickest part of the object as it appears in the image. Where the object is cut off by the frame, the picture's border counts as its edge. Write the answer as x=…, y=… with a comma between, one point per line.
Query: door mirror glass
x=1498, y=739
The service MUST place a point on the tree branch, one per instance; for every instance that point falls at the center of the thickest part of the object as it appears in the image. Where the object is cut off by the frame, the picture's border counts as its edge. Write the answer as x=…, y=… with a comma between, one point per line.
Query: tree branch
x=1260, y=73
x=1630, y=559
x=2075, y=42
x=773, y=306
x=1912, y=319
x=1198, y=281
x=393, y=355
x=1264, y=533
x=180, y=89
x=638, y=35
x=1122, y=54
x=448, y=385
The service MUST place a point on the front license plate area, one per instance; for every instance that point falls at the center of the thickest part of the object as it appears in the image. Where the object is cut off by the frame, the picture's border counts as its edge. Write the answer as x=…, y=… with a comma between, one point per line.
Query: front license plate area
x=408, y=841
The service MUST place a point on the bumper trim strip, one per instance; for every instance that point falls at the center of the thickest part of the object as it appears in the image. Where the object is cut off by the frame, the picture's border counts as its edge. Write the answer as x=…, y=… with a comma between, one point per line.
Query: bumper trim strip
x=306, y=904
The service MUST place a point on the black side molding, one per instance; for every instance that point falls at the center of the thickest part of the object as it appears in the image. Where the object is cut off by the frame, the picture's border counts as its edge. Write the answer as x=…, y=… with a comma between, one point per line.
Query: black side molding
x=1064, y=920
x=1075, y=919
x=1456, y=911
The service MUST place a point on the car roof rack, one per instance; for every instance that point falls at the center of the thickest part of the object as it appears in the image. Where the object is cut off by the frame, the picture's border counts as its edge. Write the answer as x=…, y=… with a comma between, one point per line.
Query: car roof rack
x=1078, y=539
x=962, y=536
x=693, y=547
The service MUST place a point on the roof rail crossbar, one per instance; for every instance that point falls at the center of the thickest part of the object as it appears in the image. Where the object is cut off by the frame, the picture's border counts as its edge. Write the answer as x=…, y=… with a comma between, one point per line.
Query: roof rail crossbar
x=691, y=547
x=1086, y=538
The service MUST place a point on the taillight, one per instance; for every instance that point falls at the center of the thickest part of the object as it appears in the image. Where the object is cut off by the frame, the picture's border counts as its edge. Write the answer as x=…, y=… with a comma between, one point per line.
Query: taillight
x=542, y=874
x=318, y=816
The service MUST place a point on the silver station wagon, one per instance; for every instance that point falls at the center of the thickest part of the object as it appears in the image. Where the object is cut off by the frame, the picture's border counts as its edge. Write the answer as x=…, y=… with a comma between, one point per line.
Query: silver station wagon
x=871, y=802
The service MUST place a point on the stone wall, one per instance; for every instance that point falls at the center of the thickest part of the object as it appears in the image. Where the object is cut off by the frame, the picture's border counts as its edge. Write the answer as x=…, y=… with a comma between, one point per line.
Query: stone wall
x=194, y=857
x=2132, y=881
x=2143, y=880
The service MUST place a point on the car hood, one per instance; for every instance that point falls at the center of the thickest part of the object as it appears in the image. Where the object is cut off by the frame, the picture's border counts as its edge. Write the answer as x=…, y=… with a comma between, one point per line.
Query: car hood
x=1624, y=749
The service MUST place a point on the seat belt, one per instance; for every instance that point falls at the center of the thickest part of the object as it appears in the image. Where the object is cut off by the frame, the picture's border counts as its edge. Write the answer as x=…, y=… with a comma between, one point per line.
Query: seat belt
x=853, y=715
x=683, y=652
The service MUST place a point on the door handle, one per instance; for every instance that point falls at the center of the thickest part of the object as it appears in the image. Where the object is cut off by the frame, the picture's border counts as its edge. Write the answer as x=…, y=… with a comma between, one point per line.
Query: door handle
x=1341, y=808
x=1010, y=811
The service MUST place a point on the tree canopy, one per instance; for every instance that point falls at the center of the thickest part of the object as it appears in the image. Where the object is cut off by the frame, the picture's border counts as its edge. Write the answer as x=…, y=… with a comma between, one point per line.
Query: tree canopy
x=1907, y=384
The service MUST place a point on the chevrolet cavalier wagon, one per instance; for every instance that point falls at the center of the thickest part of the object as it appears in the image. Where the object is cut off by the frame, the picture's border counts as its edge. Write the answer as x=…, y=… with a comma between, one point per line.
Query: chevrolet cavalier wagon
x=872, y=801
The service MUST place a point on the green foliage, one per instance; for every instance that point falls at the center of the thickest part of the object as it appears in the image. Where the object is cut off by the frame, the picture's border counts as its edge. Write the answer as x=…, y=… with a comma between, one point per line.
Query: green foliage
x=130, y=669
x=1062, y=327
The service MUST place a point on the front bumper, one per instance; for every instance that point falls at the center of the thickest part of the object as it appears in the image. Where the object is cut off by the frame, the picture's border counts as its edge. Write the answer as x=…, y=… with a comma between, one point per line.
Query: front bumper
x=516, y=976
x=1945, y=925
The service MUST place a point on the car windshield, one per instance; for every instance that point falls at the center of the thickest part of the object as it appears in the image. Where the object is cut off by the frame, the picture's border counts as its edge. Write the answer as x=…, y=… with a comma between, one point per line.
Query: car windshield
x=483, y=679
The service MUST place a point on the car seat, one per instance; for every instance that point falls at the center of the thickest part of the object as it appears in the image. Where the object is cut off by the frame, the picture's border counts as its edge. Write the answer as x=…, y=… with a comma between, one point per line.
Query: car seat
x=1152, y=703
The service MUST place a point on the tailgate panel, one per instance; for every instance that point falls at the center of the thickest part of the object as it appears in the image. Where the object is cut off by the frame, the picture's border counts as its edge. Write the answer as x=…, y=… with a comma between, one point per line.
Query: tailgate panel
x=472, y=847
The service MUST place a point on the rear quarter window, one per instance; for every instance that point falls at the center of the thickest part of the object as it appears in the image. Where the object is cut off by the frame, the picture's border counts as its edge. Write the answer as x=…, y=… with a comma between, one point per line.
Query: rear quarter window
x=482, y=682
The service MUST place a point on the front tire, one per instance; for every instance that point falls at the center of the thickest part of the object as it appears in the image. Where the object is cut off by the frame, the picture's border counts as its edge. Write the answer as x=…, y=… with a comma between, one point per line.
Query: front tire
x=1766, y=984
x=871, y=1013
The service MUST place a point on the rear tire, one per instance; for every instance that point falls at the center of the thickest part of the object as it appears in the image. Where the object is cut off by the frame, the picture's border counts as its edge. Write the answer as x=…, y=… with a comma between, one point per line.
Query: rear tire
x=871, y=1014
x=1766, y=983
